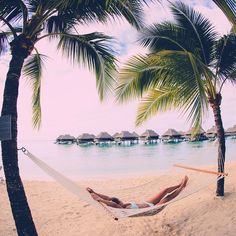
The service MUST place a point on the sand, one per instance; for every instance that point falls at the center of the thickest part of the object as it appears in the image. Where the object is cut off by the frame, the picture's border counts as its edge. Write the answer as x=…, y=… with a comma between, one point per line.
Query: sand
x=58, y=212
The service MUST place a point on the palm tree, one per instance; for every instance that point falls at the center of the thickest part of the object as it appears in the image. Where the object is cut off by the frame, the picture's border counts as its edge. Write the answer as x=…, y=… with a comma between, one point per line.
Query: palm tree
x=26, y=22
x=229, y=9
x=186, y=68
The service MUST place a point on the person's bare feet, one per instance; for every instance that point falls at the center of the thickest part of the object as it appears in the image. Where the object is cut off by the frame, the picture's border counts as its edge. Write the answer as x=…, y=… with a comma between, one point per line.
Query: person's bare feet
x=89, y=190
x=184, y=181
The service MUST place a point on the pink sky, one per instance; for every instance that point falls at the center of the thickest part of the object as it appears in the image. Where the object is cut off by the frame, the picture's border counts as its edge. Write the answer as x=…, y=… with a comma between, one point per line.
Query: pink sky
x=70, y=102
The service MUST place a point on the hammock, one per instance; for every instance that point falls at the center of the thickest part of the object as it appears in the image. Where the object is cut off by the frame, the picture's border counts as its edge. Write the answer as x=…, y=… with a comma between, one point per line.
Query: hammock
x=118, y=213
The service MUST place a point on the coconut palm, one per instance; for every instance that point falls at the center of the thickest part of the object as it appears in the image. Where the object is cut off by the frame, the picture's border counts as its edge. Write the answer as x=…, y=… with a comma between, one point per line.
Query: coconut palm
x=186, y=69
x=25, y=23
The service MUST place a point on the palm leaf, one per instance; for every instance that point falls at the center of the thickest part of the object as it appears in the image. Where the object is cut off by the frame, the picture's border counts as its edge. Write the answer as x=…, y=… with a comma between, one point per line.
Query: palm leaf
x=229, y=9
x=33, y=70
x=164, y=36
x=11, y=10
x=178, y=95
x=175, y=82
x=3, y=42
x=152, y=103
x=198, y=27
x=59, y=23
x=225, y=55
x=94, y=51
x=131, y=10
x=135, y=78
x=93, y=10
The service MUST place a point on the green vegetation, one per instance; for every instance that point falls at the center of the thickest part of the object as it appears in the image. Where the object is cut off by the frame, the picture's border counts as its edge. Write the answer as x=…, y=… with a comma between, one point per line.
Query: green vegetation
x=186, y=68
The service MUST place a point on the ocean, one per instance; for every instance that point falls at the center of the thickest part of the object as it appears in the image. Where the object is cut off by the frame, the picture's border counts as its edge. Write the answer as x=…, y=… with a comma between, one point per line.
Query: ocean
x=90, y=162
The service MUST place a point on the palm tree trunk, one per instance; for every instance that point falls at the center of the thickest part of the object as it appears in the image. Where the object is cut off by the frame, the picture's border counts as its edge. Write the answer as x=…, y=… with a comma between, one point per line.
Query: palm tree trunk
x=19, y=205
x=215, y=104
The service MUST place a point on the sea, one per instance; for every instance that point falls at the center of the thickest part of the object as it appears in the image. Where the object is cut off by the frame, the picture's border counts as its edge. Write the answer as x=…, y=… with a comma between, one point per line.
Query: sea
x=117, y=161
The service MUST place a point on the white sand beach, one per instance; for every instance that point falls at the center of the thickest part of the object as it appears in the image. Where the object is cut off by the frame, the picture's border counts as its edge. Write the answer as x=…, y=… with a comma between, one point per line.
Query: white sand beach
x=58, y=212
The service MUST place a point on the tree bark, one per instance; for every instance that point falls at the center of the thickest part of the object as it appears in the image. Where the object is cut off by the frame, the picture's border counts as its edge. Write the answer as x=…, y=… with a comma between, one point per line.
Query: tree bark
x=19, y=205
x=215, y=104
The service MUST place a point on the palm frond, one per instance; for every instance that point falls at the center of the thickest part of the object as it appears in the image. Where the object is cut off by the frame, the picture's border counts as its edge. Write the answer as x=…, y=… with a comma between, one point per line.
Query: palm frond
x=59, y=23
x=164, y=36
x=94, y=51
x=33, y=70
x=229, y=9
x=100, y=11
x=198, y=27
x=189, y=97
x=48, y=5
x=225, y=55
x=154, y=102
x=232, y=76
x=11, y=10
x=135, y=78
x=4, y=42
x=175, y=82
x=129, y=9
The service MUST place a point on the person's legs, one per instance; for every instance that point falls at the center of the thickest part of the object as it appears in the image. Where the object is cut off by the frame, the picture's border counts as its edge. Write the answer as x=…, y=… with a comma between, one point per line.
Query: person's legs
x=157, y=198
x=93, y=193
x=174, y=193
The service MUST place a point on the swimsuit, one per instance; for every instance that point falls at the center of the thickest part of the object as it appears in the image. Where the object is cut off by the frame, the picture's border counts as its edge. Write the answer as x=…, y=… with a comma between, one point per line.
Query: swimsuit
x=134, y=205
x=149, y=204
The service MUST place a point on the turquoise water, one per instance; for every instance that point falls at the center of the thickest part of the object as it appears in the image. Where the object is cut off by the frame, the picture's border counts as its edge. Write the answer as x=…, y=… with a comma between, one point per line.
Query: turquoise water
x=90, y=162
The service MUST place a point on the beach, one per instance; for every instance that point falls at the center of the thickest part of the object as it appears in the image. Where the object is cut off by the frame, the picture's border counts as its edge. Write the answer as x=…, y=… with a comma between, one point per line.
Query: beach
x=58, y=212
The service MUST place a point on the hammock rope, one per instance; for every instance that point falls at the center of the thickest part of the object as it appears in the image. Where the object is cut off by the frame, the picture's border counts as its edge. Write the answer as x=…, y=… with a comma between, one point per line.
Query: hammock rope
x=118, y=213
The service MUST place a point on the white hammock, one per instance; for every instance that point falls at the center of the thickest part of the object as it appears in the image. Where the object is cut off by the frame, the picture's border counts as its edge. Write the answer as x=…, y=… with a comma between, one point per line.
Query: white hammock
x=116, y=213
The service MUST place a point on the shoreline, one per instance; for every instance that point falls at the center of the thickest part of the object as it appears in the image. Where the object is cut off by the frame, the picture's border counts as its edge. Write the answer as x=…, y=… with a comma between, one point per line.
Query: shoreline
x=118, y=176
x=57, y=212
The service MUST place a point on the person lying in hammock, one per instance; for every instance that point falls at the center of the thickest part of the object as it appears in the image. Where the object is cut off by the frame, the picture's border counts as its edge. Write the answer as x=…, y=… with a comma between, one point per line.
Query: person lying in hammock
x=162, y=197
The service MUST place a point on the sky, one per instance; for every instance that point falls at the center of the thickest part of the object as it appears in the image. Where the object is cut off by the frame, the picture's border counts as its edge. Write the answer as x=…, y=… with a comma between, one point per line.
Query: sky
x=69, y=99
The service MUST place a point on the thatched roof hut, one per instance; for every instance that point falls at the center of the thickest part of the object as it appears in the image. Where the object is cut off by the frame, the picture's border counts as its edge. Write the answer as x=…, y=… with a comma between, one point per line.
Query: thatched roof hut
x=104, y=137
x=135, y=134
x=171, y=133
x=191, y=131
x=115, y=135
x=126, y=135
x=231, y=131
x=149, y=134
x=193, y=135
x=182, y=133
x=212, y=130
x=85, y=137
x=66, y=138
x=211, y=133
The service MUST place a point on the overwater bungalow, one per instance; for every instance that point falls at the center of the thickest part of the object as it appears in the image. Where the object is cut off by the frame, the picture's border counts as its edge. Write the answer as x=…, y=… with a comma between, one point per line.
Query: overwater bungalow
x=171, y=136
x=231, y=132
x=135, y=135
x=199, y=136
x=103, y=138
x=149, y=137
x=85, y=139
x=65, y=139
x=116, y=136
x=182, y=133
x=211, y=133
x=125, y=137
